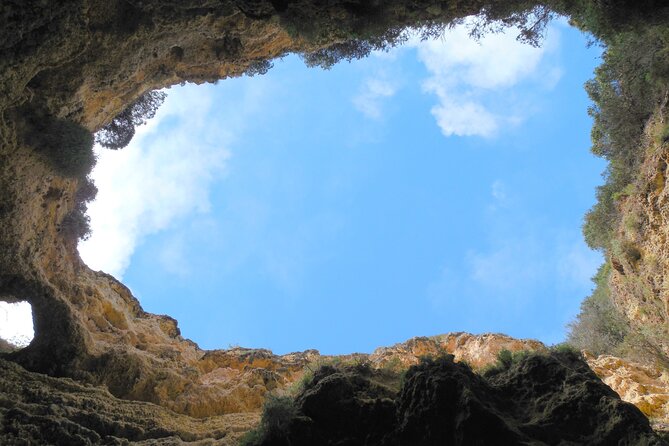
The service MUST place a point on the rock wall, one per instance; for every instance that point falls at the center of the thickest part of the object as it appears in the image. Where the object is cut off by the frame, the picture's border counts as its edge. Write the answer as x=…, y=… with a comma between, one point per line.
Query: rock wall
x=37, y=409
x=542, y=399
x=85, y=61
x=640, y=254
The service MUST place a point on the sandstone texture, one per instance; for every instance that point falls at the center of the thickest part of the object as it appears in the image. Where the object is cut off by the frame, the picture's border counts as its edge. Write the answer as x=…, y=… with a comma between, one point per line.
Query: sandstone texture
x=101, y=370
x=640, y=257
x=645, y=386
x=36, y=409
x=84, y=62
x=478, y=351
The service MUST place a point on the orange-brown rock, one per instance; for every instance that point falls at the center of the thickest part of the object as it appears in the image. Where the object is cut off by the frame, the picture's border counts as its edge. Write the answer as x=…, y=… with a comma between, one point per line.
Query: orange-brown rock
x=645, y=386
x=478, y=351
x=640, y=253
x=85, y=61
x=36, y=409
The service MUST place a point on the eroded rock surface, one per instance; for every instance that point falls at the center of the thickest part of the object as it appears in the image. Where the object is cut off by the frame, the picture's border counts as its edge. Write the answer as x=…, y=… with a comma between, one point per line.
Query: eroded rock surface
x=541, y=399
x=478, y=351
x=36, y=409
x=645, y=386
x=85, y=61
x=639, y=258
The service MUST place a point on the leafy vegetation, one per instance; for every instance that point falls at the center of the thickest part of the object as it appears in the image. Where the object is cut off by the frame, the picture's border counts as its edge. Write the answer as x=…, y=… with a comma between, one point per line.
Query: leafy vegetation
x=505, y=359
x=358, y=362
x=68, y=149
x=379, y=26
x=259, y=67
x=565, y=347
x=627, y=88
x=359, y=47
x=66, y=145
x=278, y=411
x=599, y=327
x=119, y=132
x=76, y=224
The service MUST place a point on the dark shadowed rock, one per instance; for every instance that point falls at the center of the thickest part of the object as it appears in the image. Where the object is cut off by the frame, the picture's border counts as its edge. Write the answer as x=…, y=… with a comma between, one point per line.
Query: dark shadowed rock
x=552, y=399
x=36, y=409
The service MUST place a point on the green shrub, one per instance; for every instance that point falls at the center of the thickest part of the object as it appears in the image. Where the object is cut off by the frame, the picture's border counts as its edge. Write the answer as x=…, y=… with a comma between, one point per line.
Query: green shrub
x=627, y=250
x=664, y=134
x=599, y=327
x=119, y=132
x=505, y=359
x=258, y=67
x=75, y=225
x=86, y=190
x=66, y=145
x=625, y=92
x=394, y=364
x=278, y=412
x=565, y=347
x=252, y=438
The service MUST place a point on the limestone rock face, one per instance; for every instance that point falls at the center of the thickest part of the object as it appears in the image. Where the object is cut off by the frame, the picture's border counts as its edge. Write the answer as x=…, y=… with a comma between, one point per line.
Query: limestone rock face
x=645, y=386
x=85, y=61
x=543, y=399
x=640, y=255
x=478, y=351
x=37, y=409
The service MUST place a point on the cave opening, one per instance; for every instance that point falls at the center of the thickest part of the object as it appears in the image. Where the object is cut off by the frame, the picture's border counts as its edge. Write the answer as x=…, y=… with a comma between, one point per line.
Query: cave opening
x=16, y=326
x=434, y=188
x=395, y=196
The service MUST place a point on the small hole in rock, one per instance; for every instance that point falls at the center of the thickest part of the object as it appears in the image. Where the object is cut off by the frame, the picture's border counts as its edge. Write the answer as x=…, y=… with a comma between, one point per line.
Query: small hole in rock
x=16, y=326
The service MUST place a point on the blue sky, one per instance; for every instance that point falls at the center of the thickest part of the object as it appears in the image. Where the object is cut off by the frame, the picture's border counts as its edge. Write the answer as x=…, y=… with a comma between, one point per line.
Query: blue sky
x=439, y=187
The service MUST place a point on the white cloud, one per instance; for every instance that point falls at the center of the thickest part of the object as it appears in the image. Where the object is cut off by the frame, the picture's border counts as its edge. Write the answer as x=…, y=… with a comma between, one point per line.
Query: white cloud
x=16, y=323
x=512, y=264
x=499, y=191
x=160, y=177
x=172, y=256
x=502, y=199
x=464, y=118
x=370, y=98
x=464, y=72
x=520, y=264
x=577, y=263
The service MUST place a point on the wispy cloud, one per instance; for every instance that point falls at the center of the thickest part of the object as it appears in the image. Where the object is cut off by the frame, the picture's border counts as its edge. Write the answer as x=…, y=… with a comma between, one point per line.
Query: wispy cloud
x=465, y=74
x=370, y=99
x=501, y=197
x=159, y=178
x=173, y=256
x=577, y=263
x=499, y=191
x=510, y=264
x=521, y=265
